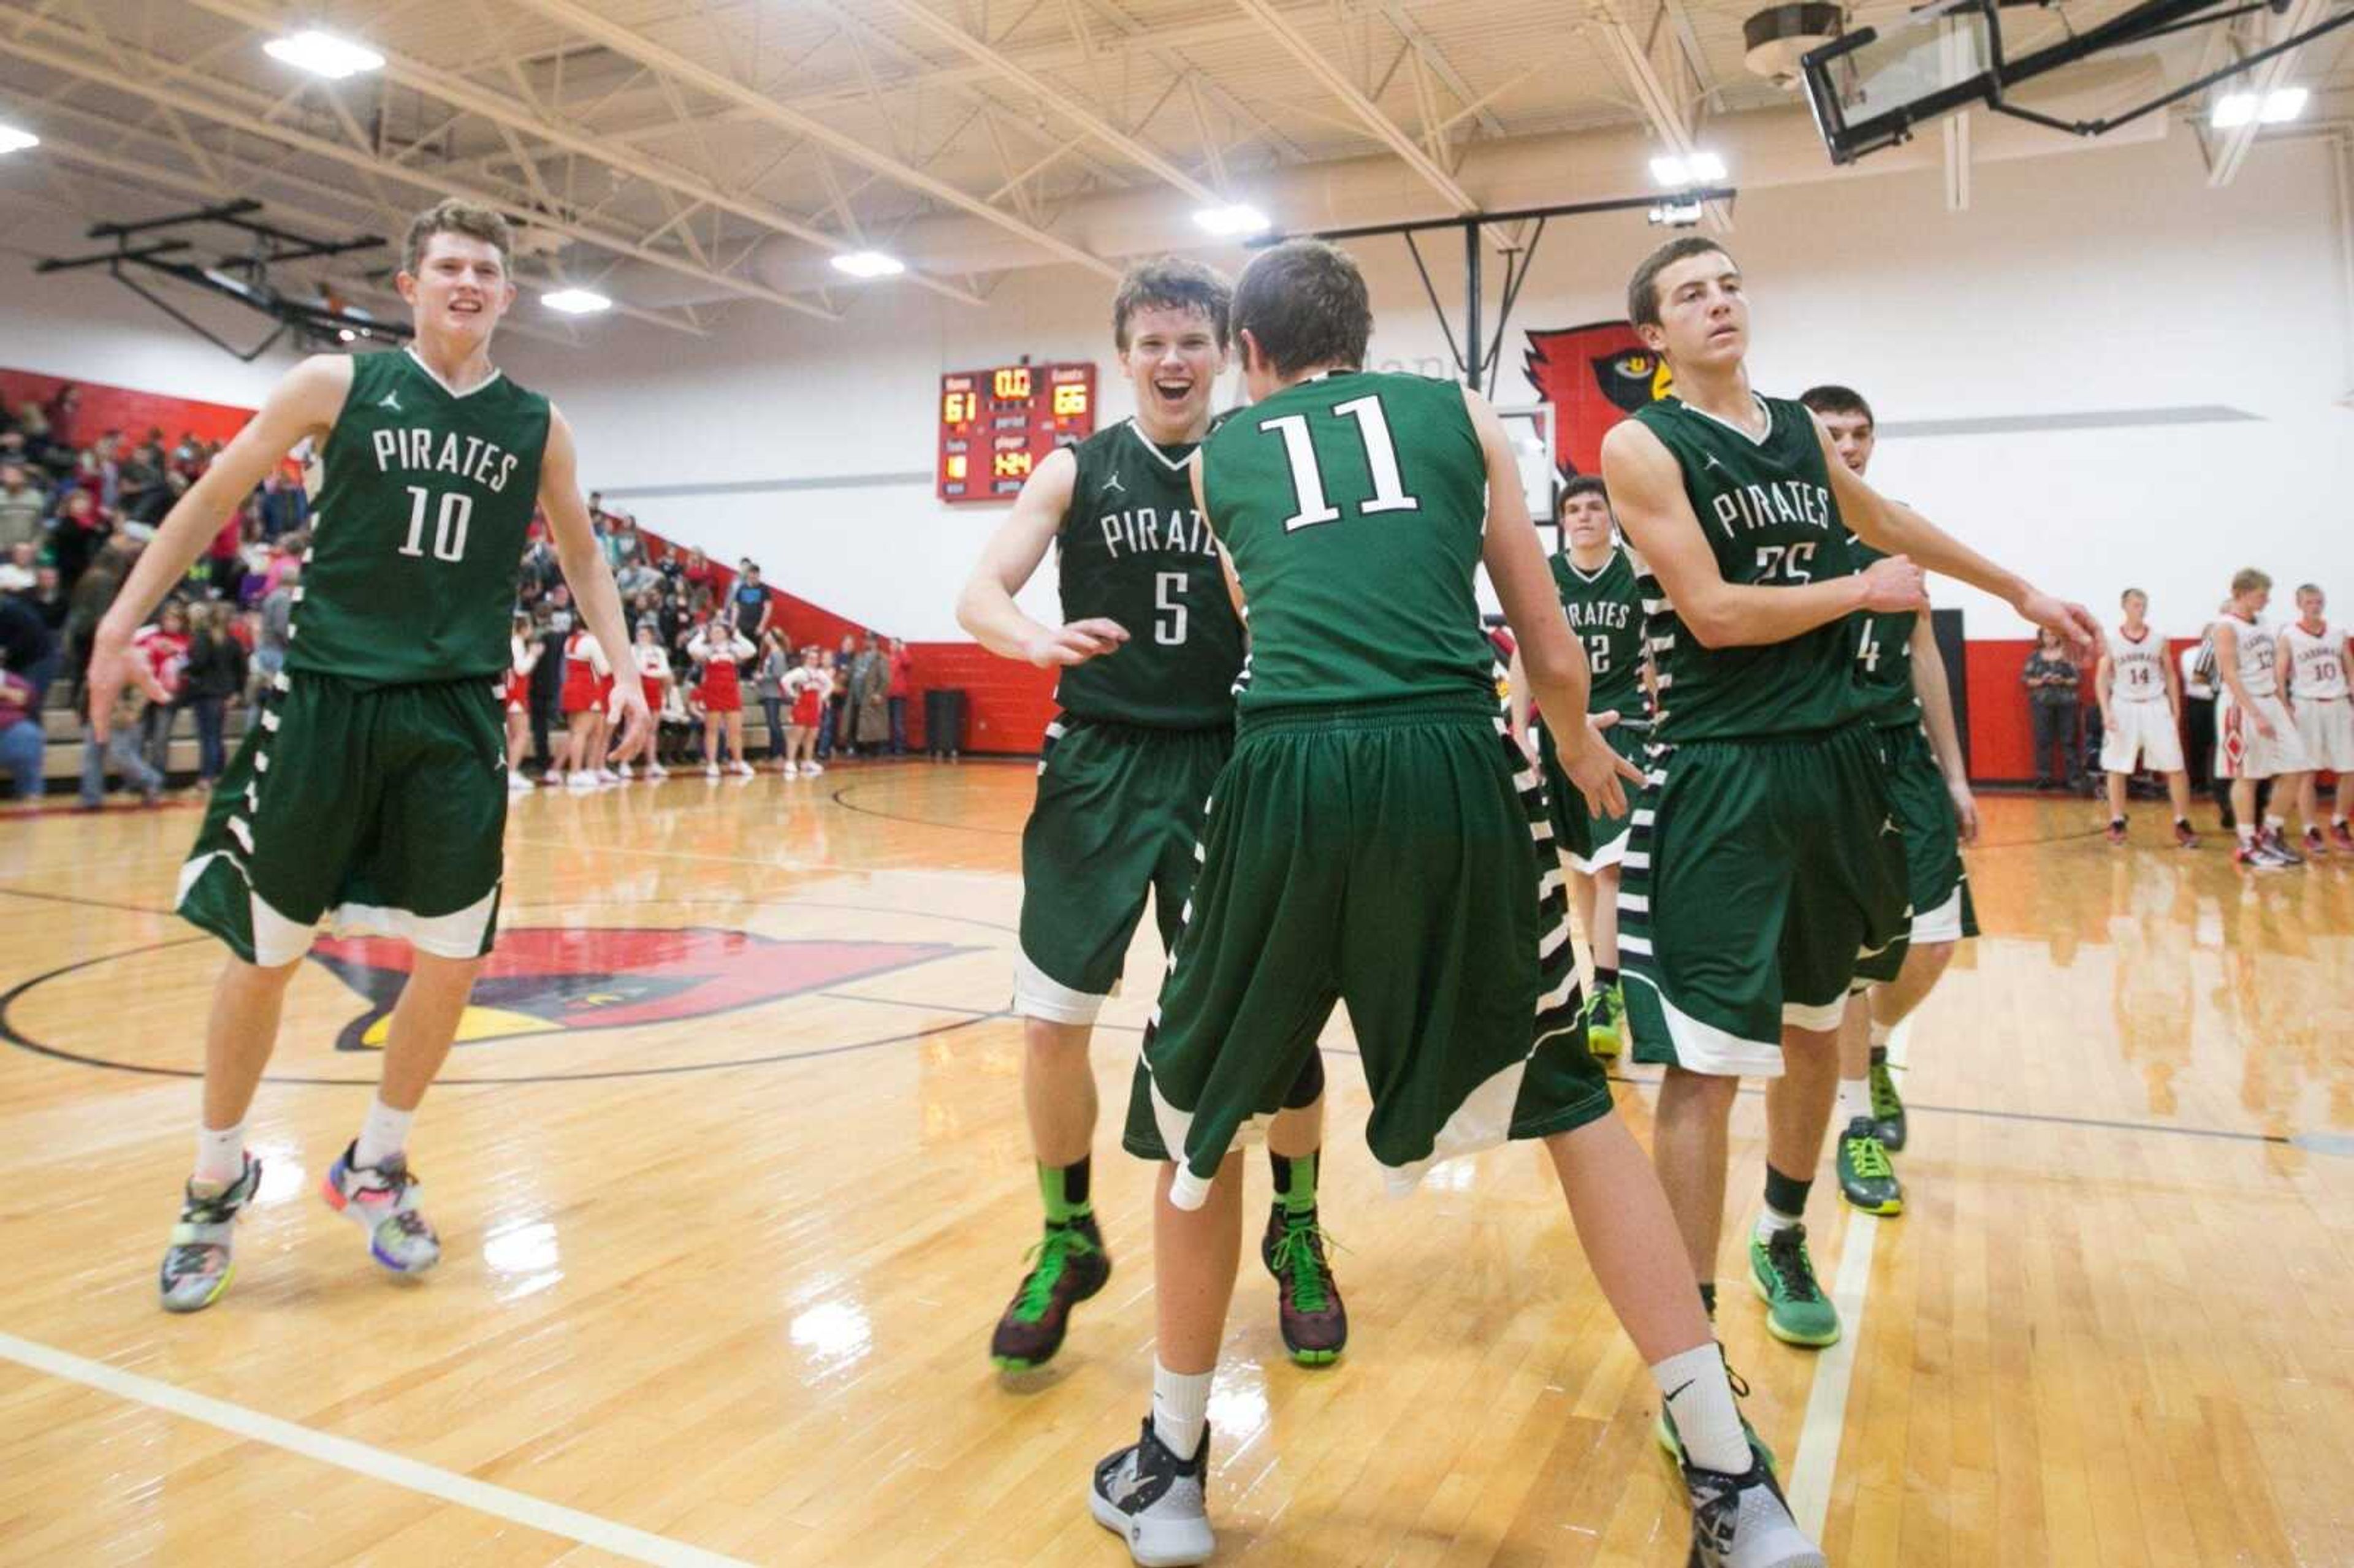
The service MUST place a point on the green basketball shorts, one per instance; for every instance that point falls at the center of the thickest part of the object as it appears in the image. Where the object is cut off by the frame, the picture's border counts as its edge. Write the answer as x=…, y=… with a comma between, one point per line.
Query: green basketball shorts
x=1591, y=843
x=1384, y=855
x=1762, y=877
x=1938, y=881
x=382, y=806
x=1118, y=817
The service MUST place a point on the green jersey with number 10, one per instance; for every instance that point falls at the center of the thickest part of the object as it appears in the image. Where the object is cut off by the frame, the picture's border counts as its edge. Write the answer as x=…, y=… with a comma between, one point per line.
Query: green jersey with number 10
x=1132, y=550
x=1354, y=506
x=417, y=536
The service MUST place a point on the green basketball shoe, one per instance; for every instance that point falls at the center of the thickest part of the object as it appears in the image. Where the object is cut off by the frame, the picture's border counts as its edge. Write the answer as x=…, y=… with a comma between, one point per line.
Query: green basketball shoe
x=1071, y=1267
x=1887, y=1104
x=1603, y=1023
x=1796, y=1310
x=1866, y=1179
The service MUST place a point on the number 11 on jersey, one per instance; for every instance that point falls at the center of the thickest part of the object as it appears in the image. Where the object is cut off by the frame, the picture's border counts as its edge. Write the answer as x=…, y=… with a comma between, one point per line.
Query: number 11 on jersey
x=1308, y=478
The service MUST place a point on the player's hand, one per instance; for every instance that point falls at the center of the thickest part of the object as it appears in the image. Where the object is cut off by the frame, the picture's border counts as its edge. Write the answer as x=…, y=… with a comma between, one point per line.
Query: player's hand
x=2073, y=622
x=1076, y=643
x=1895, y=583
x=2264, y=725
x=1965, y=809
x=110, y=672
x=633, y=723
x=1597, y=773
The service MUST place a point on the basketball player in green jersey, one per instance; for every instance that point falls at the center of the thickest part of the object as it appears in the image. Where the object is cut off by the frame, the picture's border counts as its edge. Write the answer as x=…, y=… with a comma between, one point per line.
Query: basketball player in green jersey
x=1149, y=652
x=1912, y=713
x=1377, y=840
x=1765, y=871
x=372, y=784
x=1595, y=582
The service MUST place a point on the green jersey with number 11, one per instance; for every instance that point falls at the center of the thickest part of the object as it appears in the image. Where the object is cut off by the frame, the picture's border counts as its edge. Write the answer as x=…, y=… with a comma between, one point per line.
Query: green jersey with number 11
x=417, y=536
x=1132, y=550
x=1354, y=506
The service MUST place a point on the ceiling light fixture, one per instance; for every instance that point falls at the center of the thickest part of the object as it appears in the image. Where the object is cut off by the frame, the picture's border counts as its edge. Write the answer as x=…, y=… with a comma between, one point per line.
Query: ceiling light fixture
x=1232, y=222
x=324, y=54
x=13, y=138
x=2281, y=104
x=1675, y=171
x=868, y=264
x=576, y=301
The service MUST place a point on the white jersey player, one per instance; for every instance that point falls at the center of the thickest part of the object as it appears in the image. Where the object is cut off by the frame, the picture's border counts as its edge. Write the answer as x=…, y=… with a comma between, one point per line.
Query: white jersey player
x=2254, y=736
x=2312, y=664
x=2141, y=717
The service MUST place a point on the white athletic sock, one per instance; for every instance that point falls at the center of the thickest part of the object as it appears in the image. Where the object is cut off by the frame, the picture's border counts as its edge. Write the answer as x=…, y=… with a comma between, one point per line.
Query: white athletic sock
x=2274, y=824
x=1879, y=1033
x=220, y=1154
x=1771, y=1219
x=383, y=1134
x=1181, y=1408
x=1699, y=1399
x=1854, y=1099
x=2247, y=833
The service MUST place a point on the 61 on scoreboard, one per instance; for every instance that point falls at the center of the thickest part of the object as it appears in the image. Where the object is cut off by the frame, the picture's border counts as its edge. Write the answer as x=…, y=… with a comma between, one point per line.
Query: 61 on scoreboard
x=998, y=425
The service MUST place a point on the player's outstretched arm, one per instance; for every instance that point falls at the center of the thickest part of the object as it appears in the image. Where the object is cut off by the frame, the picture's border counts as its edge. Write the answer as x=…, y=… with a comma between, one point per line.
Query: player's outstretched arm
x=1900, y=530
x=1646, y=492
x=592, y=579
x=305, y=403
x=1547, y=654
x=986, y=607
x=1938, y=720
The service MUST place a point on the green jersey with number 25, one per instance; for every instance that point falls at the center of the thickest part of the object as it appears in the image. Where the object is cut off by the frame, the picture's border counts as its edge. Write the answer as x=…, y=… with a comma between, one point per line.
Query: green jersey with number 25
x=417, y=536
x=1354, y=505
x=1132, y=550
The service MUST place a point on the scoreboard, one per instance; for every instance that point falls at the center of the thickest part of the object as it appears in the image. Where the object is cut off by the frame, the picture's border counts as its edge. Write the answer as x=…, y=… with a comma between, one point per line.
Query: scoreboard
x=997, y=425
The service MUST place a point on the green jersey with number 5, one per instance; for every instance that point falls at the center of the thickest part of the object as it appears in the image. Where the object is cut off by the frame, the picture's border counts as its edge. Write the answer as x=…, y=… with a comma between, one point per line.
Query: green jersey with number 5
x=418, y=532
x=1883, y=655
x=1765, y=506
x=1606, y=614
x=1354, y=506
x=1132, y=550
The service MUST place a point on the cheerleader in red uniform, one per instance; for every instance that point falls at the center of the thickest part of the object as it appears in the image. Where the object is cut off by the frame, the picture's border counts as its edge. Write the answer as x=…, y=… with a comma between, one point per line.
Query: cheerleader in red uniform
x=807, y=684
x=717, y=650
x=587, y=681
x=653, y=675
x=522, y=657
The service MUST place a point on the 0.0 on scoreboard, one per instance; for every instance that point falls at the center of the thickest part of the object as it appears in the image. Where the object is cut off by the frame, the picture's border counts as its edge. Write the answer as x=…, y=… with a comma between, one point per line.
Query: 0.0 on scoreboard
x=998, y=425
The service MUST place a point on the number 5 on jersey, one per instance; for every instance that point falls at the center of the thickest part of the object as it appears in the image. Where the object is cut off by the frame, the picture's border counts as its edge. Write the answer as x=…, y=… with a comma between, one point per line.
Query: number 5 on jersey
x=1308, y=478
x=457, y=511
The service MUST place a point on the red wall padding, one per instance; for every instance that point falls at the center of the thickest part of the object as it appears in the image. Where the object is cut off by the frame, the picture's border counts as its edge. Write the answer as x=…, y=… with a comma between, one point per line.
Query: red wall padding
x=105, y=408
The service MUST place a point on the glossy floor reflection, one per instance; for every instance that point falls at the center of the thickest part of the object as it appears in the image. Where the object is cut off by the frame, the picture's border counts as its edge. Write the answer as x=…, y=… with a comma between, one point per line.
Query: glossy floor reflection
x=731, y=1173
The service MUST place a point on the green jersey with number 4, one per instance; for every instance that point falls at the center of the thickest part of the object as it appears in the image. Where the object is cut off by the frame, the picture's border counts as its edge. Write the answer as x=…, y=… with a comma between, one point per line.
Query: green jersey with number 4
x=1354, y=506
x=1883, y=654
x=418, y=532
x=1605, y=613
x=1133, y=549
x=1765, y=507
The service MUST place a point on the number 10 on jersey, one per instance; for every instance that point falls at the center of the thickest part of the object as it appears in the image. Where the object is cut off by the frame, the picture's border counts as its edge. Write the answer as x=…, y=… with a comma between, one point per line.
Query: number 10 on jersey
x=456, y=511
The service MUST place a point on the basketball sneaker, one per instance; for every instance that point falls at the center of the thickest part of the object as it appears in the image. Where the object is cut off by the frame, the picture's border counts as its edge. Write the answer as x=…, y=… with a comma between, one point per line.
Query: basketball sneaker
x=382, y=1201
x=1072, y=1265
x=1887, y=1106
x=2184, y=838
x=1866, y=1179
x=711, y=770
x=580, y=778
x=2257, y=856
x=1744, y=1521
x=1308, y=1309
x=1796, y=1310
x=1156, y=1501
x=197, y=1266
x=519, y=785
x=2275, y=840
x=2341, y=836
x=656, y=772
x=1601, y=1031
x=2316, y=847
x=741, y=768
x=812, y=770
x=2116, y=829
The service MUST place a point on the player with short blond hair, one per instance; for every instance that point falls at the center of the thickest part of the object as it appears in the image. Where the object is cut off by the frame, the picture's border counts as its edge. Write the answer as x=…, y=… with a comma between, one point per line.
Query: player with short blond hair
x=2314, y=659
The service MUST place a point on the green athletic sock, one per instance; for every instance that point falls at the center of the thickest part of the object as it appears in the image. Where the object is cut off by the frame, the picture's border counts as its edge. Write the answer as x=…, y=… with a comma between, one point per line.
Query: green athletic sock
x=1295, y=1181
x=1065, y=1187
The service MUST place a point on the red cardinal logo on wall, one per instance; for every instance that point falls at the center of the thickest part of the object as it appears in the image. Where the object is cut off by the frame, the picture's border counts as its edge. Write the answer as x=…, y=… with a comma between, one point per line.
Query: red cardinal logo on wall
x=542, y=980
x=1593, y=376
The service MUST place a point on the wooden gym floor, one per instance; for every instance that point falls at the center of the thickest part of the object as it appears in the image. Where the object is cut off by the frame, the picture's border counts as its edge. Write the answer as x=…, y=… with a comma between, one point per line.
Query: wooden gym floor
x=733, y=1182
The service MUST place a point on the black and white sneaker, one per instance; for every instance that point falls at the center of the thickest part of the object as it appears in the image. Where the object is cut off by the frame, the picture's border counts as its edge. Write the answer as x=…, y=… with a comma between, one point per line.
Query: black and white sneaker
x=1157, y=1502
x=1744, y=1521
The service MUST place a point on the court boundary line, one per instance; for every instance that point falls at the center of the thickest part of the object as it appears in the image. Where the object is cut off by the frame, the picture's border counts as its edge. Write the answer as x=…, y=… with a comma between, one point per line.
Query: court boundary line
x=1823, y=1428
x=364, y=1459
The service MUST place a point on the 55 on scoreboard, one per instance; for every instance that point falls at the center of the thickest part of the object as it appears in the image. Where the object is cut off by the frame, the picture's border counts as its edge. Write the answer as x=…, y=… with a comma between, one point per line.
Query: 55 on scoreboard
x=997, y=425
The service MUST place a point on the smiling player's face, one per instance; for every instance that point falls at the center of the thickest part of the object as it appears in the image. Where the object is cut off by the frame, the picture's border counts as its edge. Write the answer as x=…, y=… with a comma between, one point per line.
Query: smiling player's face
x=460, y=289
x=1175, y=360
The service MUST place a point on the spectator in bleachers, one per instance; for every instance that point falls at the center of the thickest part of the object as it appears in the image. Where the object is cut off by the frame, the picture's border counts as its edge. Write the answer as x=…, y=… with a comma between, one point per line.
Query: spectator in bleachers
x=29, y=658
x=48, y=599
x=870, y=692
x=903, y=672
x=768, y=686
x=215, y=679
x=164, y=644
x=285, y=508
x=122, y=748
x=21, y=570
x=23, y=506
x=91, y=597
x=754, y=604
x=636, y=579
x=699, y=573
x=141, y=493
x=224, y=563
x=628, y=547
x=277, y=619
x=77, y=534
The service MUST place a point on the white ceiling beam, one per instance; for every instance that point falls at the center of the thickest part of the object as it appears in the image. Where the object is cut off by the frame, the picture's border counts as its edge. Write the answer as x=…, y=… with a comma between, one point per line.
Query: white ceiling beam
x=635, y=46
x=1435, y=59
x=937, y=27
x=504, y=110
x=1651, y=95
x=2230, y=147
x=212, y=105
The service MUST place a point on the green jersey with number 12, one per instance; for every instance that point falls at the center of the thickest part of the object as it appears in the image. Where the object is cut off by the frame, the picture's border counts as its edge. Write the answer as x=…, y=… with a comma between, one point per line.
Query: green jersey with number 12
x=1132, y=550
x=417, y=536
x=1354, y=506
x=1605, y=612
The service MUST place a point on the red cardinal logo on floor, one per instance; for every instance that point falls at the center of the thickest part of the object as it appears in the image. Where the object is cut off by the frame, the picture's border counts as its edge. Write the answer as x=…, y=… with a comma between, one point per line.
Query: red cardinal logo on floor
x=545, y=979
x=1593, y=376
